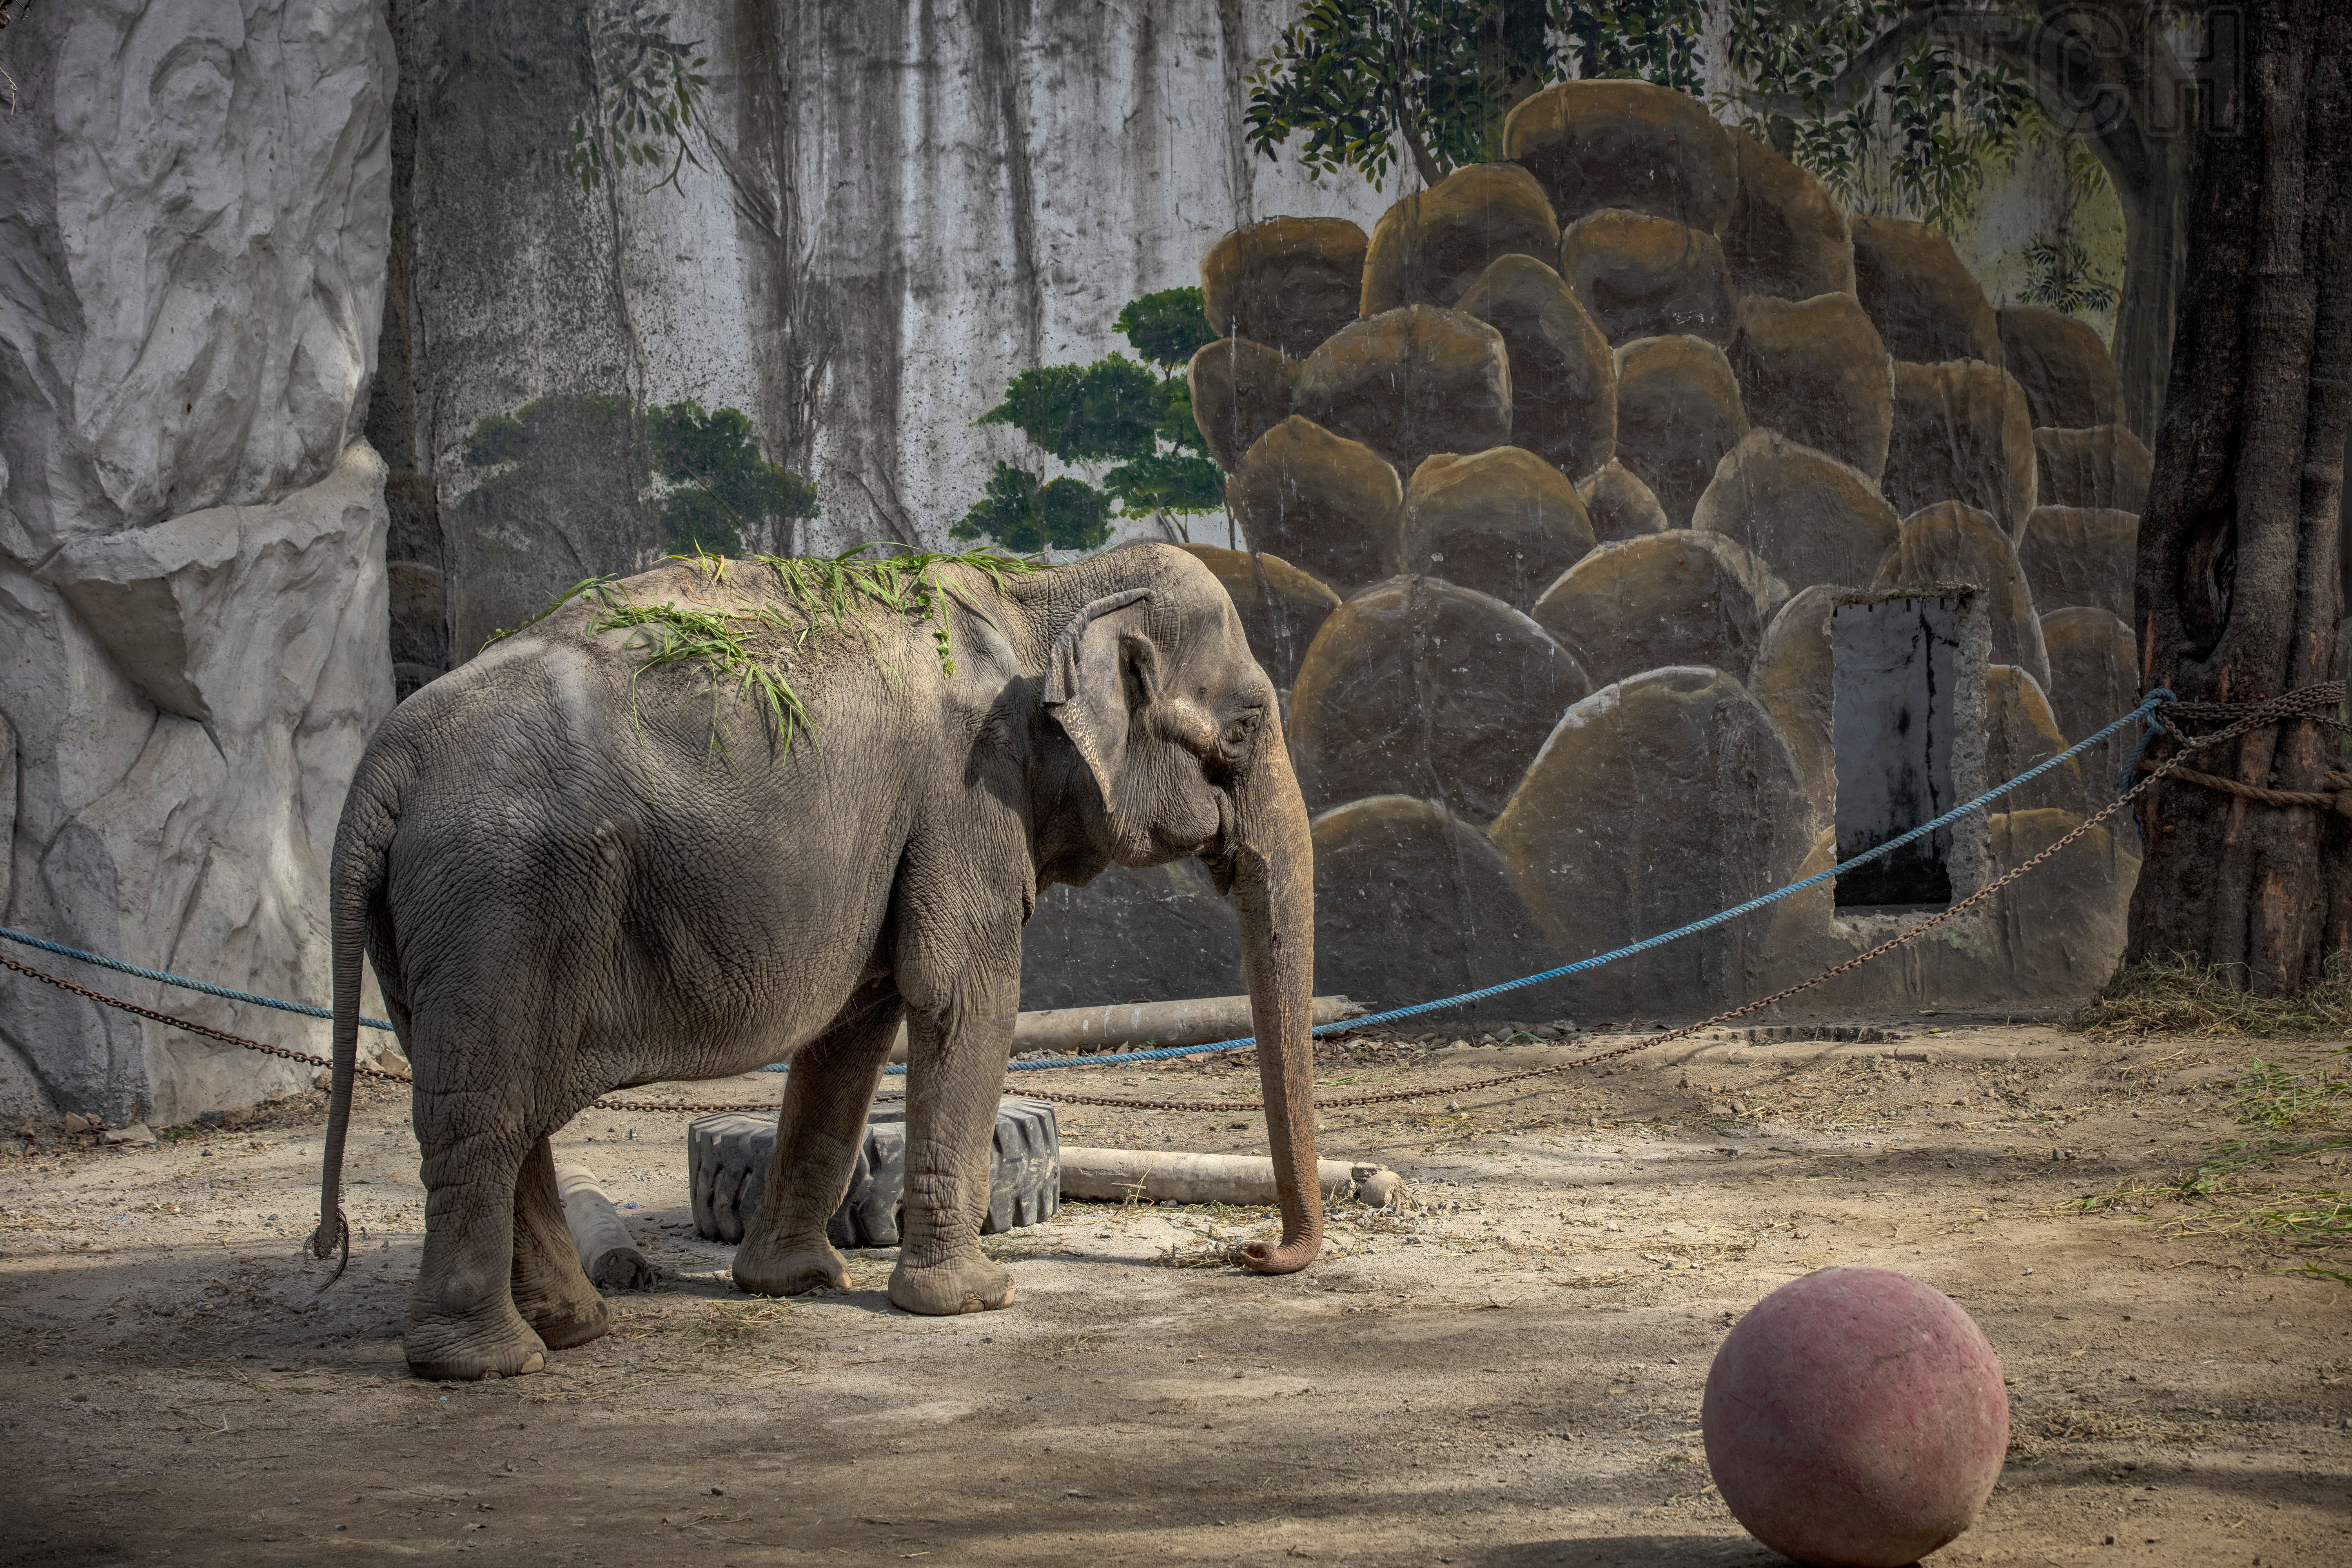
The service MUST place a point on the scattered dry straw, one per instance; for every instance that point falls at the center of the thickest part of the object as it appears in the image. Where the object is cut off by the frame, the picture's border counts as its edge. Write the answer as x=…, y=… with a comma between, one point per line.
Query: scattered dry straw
x=2184, y=995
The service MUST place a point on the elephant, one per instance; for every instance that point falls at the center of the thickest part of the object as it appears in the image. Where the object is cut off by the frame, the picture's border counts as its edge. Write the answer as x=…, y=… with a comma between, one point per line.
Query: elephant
x=703, y=820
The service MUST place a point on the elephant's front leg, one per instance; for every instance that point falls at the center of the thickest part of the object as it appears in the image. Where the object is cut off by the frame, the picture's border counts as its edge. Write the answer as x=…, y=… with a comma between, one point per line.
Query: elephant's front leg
x=955, y=1074
x=784, y=1251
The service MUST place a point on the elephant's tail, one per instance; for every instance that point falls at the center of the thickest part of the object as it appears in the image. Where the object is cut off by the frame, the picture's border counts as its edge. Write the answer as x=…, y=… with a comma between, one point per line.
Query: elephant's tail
x=369, y=814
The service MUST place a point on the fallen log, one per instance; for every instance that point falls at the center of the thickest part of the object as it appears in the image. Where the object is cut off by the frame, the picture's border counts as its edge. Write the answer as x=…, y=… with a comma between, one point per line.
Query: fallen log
x=1148, y=1175
x=607, y=1255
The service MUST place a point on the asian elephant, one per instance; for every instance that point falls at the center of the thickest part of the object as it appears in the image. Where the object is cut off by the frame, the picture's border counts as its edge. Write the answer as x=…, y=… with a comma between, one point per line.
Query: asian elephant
x=609, y=851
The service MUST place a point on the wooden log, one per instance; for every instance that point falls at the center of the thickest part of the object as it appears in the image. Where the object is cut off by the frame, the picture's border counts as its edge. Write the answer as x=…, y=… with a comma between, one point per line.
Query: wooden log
x=607, y=1255
x=1194, y=1023
x=1148, y=1175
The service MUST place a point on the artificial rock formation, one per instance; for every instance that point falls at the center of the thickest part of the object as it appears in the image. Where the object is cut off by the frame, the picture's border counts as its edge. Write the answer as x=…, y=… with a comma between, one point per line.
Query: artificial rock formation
x=1410, y=383
x=1794, y=680
x=1785, y=237
x=1678, y=412
x=2081, y=555
x=2094, y=682
x=2053, y=937
x=1503, y=521
x=1631, y=144
x=1620, y=505
x=1678, y=767
x=1804, y=514
x=1563, y=376
x=1326, y=503
x=1645, y=277
x=1427, y=249
x=1412, y=902
x=2021, y=732
x=2070, y=382
x=1681, y=597
x=1951, y=544
x=1961, y=433
x=1287, y=282
x=1161, y=932
x=1281, y=607
x=192, y=644
x=1920, y=294
x=1815, y=370
x=1418, y=687
x=1240, y=391
x=2106, y=465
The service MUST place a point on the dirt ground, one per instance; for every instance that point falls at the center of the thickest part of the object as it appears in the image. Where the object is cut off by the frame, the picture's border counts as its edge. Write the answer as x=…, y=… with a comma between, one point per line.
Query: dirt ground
x=1505, y=1373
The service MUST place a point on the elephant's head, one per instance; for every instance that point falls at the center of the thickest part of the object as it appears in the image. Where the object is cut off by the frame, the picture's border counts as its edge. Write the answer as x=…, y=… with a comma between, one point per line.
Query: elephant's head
x=1153, y=682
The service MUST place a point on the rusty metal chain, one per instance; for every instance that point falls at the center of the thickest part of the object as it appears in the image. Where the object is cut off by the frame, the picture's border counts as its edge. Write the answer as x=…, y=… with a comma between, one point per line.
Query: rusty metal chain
x=226, y=1039
x=307, y=1059
x=2302, y=702
x=2296, y=704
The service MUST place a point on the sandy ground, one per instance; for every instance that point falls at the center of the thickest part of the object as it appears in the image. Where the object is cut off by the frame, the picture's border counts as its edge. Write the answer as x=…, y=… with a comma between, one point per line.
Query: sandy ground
x=1507, y=1372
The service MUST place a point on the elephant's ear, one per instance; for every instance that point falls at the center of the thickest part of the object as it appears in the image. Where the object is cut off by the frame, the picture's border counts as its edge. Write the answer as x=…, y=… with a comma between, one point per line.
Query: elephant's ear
x=1086, y=686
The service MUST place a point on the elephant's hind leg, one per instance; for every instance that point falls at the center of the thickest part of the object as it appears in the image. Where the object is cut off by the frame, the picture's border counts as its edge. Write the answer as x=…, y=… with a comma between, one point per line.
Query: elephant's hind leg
x=784, y=1250
x=462, y=1322
x=551, y=1291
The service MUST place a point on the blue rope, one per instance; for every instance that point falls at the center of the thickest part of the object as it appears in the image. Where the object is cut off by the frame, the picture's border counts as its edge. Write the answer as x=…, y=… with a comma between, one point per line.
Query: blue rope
x=182, y=981
x=2146, y=710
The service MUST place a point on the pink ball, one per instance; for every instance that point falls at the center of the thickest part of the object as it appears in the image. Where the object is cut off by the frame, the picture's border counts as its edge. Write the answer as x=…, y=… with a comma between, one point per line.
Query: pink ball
x=1855, y=1419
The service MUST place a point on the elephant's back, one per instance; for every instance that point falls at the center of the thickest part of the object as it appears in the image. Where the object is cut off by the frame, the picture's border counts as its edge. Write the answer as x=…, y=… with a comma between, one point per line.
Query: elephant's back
x=702, y=883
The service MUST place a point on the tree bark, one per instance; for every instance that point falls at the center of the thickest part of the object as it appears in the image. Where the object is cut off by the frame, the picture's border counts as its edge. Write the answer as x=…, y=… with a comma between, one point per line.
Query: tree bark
x=2240, y=587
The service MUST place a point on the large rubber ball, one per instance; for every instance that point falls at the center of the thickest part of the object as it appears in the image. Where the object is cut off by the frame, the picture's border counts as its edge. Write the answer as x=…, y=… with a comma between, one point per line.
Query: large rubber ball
x=1855, y=1419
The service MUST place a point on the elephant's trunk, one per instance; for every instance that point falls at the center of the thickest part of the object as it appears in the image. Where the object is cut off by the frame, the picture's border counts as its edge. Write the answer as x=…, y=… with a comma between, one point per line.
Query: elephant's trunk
x=1273, y=861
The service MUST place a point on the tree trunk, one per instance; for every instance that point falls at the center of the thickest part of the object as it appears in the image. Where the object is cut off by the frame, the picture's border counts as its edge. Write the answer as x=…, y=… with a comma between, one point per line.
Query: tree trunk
x=2240, y=587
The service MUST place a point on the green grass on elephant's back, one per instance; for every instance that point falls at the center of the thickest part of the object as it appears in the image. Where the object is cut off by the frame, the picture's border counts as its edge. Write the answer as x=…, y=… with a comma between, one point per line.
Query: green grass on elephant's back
x=820, y=593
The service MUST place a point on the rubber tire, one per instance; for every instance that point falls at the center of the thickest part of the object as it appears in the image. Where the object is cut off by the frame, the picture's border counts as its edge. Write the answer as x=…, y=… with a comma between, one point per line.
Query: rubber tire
x=727, y=1159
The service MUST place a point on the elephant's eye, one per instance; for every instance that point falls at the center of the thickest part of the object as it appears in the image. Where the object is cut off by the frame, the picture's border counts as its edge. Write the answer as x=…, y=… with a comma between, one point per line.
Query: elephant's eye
x=1238, y=733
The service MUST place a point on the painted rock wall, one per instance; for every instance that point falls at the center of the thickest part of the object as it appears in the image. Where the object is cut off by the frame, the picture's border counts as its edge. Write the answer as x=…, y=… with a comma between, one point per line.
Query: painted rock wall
x=1735, y=405
x=888, y=209
x=192, y=614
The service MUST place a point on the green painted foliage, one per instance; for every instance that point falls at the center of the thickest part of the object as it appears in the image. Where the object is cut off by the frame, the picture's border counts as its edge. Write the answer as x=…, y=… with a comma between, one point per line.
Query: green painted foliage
x=1114, y=411
x=1357, y=81
x=722, y=485
x=1022, y=512
x=1167, y=328
x=698, y=472
x=641, y=88
x=1084, y=414
x=1356, y=84
x=1167, y=482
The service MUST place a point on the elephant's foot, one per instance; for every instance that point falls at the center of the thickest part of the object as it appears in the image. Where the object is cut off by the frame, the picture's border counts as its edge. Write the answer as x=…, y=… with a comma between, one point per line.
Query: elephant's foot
x=563, y=1317
x=966, y=1284
x=766, y=1267
x=494, y=1341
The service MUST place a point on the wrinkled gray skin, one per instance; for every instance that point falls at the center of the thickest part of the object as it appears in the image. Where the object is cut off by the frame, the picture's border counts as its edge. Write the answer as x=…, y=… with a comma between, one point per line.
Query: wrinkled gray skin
x=565, y=892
